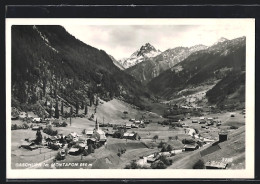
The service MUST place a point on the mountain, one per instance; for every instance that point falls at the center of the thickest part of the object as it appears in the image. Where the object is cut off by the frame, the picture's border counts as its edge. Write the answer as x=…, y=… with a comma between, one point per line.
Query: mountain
x=153, y=67
x=212, y=75
x=49, y=64
x=220, y=40
x=146, y=51
x=119, y=65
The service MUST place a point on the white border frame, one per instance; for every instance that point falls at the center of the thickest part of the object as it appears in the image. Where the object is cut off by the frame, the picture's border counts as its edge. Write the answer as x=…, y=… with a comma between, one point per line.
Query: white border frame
x=146, y=173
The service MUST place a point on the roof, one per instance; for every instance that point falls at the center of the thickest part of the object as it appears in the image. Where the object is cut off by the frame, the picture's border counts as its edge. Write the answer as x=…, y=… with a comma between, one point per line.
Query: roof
x=223, y=132
x=74, y=134
x=216, y=164
x=190, y=146
x=74, y=149
x=89, y=132
x=128, y=134
x=151, y=159
x=82, y=145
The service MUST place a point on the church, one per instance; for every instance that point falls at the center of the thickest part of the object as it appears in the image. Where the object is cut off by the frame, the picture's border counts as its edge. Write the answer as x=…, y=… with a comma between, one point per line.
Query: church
x=99, y=134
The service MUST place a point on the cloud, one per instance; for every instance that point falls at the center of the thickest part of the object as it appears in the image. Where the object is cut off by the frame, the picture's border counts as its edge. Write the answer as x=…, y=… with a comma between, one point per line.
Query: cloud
x=122, y=40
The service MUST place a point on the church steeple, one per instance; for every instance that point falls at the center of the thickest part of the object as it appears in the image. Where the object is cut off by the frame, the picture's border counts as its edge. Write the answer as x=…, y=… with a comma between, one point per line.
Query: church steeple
x=97, y=125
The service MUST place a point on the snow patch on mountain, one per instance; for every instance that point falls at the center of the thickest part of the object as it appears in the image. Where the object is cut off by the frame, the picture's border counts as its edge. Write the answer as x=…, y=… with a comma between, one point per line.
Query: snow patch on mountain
x=146, y=51
x=45, y=39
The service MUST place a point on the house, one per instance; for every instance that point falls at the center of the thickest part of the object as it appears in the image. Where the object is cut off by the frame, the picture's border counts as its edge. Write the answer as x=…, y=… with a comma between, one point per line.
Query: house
x=128, y=126
x=137, y=122
x=74, y=134
x=195, y=121
x=129, y=135
x=110, y=133
x=191, y=131
x=190, y=147
x=13, y=117
x=83, y=145
x=134, y=126
x=223, y=136
x=167, y=153
x=151, y=159
x=132, y=120
x=74, y=151
x=51, y=139
x=89, y=133
x=37, y=120
x=202, y=120
x=36, y=128
x=99, y=134
x=215, y=165
x=29, y=145
x=147, y=121
x=91, y=141
x=210, y=119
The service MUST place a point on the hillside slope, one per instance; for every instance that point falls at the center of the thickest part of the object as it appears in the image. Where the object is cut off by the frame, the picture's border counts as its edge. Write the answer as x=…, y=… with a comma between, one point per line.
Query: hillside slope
x=48, y=62
x=206, y=68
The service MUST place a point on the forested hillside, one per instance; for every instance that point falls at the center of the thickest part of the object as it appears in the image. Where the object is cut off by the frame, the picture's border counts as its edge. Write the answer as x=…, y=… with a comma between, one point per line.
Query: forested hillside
x=223, y=62
x=48, y=62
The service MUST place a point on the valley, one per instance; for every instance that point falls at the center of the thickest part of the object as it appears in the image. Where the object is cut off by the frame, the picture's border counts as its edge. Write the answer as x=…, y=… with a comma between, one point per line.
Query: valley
x=75, y=106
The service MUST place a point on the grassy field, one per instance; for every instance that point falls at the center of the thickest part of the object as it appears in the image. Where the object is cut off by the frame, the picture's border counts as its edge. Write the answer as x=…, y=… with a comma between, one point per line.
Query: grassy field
x=21, y=155
x=106, y=157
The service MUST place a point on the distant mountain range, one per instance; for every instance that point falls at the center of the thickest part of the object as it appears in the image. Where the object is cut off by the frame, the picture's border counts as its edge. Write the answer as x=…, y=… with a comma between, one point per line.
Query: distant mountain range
x=221, y=65
x=49, y=64
x=152, y=67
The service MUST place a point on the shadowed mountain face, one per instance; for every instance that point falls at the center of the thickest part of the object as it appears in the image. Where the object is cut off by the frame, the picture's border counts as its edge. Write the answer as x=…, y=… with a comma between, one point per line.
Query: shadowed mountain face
x=217, y=63
x=47, y=61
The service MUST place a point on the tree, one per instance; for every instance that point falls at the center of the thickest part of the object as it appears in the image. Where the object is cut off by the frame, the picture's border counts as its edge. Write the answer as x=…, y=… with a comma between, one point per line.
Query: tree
x=97, y=101
x=158, y=165
x=160, y=144
x=86, y=110
x=133, y=165
x=169, y=148
x=77, y=107
x=71, y=112
x=82, y=105
x=155, y=137
x=61, y=109
x=164, y=148
x=199, y=164
x=176, y=137
x=90, y=149
x=38, y=137
x=57, y=110
x=165, y=160
x=125, y=113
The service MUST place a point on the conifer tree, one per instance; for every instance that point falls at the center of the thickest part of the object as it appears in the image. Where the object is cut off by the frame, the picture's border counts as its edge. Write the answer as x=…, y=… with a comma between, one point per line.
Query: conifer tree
x=57, y=110
x=86, y=110
x=77, y=107
x=61, y=110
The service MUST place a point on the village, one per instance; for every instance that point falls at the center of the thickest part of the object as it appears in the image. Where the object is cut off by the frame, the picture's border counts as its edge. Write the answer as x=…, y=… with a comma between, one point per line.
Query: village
x=116, y=135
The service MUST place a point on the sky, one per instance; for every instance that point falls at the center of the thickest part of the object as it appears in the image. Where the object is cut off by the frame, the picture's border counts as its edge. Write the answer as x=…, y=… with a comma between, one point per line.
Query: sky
x=121, y=41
